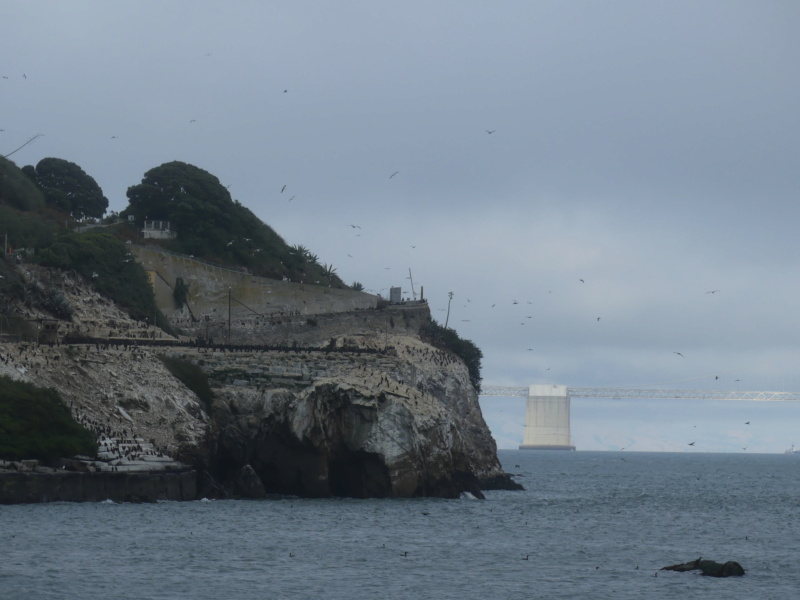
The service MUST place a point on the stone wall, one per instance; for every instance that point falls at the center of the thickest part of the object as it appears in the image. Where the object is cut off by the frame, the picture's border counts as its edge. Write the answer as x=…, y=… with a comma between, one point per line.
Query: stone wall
x=310, y=330
x=213, y=289
x=66, y=486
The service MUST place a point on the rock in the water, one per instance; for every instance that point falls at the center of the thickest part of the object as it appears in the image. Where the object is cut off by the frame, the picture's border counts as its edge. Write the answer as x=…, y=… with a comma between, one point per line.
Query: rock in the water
x=247, y=484
x=710, y=568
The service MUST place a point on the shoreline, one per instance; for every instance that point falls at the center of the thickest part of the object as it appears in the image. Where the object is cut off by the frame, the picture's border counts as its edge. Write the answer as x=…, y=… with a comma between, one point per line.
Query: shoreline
x=74, y=486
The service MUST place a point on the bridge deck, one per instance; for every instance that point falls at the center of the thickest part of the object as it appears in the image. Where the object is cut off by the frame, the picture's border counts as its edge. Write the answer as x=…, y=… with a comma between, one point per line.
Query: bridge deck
x=649, y=394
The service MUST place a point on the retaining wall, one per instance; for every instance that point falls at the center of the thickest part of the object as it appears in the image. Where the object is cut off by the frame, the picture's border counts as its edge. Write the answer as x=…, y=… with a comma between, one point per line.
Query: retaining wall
x=213, y=289
x=71, y=486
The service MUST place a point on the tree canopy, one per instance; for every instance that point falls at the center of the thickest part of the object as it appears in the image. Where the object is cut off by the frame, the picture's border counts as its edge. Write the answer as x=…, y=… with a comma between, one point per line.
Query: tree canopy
x=68, y=187
x=209, y=224
x=16, y=189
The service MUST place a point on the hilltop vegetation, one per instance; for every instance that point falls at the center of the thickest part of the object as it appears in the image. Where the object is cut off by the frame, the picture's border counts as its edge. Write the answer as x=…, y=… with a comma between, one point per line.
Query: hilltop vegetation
x=209, y=224
x=66, y=186
x=39, y=204
x=40, y=207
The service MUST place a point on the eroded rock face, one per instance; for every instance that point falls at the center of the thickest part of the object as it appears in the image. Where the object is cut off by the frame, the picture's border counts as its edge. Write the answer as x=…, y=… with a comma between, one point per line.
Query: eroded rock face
x=366, y=423
x=365, y=434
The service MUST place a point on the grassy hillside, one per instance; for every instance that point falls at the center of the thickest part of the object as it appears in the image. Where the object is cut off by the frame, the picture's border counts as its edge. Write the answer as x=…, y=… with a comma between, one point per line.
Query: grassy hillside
x=34, y=423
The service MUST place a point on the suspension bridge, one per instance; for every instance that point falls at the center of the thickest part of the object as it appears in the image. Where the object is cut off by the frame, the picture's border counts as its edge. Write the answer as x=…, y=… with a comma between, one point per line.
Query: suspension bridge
x=547, y=410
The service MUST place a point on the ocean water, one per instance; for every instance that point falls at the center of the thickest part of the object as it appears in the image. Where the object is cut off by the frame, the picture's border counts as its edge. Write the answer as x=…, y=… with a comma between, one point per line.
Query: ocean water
x=593, y=525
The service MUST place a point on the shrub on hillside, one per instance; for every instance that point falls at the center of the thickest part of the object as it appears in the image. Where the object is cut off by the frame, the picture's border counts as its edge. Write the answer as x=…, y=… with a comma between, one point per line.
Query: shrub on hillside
x=35, y=423
x=106, y=262
x=448, y=339
x=192, y=377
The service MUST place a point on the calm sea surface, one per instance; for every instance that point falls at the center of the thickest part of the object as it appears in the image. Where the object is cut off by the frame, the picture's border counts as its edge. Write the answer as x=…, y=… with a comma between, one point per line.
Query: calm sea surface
x=594, y=525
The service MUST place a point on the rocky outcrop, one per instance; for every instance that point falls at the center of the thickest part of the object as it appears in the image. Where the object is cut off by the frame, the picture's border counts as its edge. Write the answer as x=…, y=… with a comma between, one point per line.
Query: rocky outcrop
x=363, y=407
x=394, y=425
x=709, y=568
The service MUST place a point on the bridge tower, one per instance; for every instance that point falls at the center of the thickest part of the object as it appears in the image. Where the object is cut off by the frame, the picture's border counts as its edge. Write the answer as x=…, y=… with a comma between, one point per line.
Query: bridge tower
x=547, y=418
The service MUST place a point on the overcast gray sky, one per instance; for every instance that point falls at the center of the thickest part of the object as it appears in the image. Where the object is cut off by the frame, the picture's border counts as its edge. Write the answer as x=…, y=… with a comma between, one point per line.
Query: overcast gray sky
x=642, y=155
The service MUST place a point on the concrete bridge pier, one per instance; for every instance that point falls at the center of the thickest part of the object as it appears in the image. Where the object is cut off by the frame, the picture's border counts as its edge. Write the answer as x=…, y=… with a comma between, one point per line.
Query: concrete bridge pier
x=547, y=418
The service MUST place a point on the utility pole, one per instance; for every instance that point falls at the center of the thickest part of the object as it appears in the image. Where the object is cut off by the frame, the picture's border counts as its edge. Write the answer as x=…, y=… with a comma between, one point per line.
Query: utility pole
x=450, y=295
x=412, y=284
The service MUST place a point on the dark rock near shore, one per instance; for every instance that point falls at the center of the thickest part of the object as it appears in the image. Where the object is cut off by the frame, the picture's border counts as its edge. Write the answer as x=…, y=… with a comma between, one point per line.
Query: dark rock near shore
x=710, y=568
x=246, y=484
x=502, y=481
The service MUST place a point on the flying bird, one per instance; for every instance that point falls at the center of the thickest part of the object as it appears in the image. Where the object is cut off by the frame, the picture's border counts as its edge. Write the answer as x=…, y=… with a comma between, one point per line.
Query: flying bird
x=491, y=132
x=283, y=188
x=582, y=281
x=393, y=174
x=712, y=291
x=747, y=423
x=193, y=121
x=691, y=443
x=356, y=226
x=292, y=198
x=679, y=354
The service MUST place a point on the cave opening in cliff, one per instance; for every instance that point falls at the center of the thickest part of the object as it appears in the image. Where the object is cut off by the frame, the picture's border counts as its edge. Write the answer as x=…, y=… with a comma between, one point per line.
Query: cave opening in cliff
x=359, y=474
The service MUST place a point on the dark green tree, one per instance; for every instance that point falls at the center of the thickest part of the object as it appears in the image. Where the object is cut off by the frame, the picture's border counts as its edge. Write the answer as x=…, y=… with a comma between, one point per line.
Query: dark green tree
x=16, y=190
x=68, y=187
x=209, y=224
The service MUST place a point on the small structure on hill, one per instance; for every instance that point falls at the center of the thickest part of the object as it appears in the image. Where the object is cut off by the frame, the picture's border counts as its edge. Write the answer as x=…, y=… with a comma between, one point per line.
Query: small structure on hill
x=158, y=230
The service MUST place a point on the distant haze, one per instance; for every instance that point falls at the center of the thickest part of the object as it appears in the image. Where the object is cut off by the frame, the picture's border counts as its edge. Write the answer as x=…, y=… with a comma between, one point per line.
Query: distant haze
x=642, y=155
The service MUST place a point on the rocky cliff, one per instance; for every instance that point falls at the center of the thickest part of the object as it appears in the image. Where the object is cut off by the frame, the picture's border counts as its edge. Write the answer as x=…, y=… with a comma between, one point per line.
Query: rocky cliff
x=354, y=404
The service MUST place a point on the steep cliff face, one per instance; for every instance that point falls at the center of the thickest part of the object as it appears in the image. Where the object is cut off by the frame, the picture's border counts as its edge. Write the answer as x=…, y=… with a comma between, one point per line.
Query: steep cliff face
x=365, y=409
x=402, y=425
